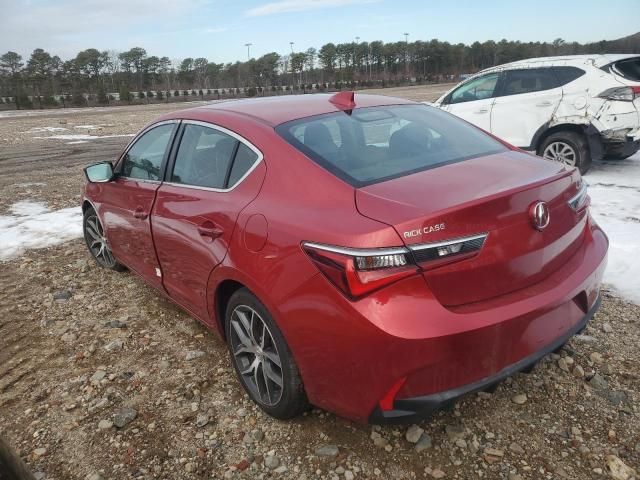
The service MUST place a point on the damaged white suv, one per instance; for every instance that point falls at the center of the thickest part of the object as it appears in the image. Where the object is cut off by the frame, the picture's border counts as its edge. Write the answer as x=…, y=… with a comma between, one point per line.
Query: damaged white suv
x=572, y=109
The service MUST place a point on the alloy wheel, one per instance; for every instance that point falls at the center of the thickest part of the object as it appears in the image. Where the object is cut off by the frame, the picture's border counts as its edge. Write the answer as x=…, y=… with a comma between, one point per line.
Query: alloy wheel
x=256, y=355
x=560, y=152
x=97, y=242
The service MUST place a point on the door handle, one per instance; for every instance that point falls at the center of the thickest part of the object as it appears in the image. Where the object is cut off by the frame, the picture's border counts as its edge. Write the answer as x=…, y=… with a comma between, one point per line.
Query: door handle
x=544, y=104
x=140, y=213
x=210, y=230
x=482, y=110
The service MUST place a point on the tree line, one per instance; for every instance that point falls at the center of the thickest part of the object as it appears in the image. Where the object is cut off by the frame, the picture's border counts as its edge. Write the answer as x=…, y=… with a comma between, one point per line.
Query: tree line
x=45, y=80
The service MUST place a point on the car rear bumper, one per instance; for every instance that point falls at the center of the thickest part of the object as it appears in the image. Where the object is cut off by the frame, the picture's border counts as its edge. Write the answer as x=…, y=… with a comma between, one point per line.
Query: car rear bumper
x=623, y=144
x=410, y=410
x=401, y=339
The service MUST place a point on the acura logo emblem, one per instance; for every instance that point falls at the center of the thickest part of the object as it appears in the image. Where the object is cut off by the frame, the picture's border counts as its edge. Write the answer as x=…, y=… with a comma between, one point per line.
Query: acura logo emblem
x=540, y=216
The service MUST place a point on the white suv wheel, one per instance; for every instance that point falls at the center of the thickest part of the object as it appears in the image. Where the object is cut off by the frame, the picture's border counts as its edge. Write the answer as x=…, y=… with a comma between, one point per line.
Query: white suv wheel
x=560, y=152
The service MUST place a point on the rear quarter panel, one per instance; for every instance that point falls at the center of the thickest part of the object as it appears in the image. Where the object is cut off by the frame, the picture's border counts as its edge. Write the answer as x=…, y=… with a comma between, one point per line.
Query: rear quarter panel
x=299, y=201
x=581, y=104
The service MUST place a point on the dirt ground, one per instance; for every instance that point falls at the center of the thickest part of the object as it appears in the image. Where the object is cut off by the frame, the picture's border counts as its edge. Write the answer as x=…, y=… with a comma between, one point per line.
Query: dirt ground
x=100, y=379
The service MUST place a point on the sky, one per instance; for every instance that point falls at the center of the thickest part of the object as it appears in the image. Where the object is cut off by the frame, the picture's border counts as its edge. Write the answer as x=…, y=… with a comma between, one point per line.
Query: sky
x=219, y=29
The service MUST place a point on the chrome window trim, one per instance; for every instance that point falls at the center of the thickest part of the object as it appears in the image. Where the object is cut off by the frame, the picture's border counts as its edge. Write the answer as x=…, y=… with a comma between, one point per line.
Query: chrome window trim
x=574, y=201
x=453, y=241
x=133, y=142
x=134, y=179
x=233, y=134
x=357, y=252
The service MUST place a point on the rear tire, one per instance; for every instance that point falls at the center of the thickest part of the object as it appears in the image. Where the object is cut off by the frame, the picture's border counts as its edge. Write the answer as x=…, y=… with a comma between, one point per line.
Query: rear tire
x=567, y=147
x=261, y=358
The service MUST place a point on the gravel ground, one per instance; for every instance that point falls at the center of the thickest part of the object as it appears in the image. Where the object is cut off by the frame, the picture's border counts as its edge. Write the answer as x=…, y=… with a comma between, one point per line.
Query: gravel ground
x=101, y=378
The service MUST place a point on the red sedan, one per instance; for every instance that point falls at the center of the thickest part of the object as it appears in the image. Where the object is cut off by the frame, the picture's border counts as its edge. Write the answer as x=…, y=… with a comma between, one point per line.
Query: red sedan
x=368, y=255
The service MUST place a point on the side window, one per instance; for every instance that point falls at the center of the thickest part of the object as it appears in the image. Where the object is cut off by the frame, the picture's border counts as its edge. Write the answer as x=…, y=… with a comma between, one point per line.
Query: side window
x=567, y=74
x=144, y=158
x=476, y=89
x=204, y=157
x=529, y=80
x=245, y=158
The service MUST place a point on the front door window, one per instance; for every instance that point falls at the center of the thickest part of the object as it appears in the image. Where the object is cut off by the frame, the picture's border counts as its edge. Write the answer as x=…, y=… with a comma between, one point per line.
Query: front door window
x=144, y=159
x=477, y=89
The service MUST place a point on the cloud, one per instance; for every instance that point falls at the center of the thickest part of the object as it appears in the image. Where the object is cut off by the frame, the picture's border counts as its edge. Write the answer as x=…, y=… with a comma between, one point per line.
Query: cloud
x=285, y=6
x=67, y=26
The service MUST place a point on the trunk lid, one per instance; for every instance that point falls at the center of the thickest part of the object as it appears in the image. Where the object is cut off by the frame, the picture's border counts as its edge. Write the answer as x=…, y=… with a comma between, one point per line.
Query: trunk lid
x=491, y=195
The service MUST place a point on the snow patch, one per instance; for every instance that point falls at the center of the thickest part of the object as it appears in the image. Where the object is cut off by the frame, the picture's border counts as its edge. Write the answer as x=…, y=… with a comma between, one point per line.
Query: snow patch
x=27, y=208
x=34, y=225
x=614, y=188
x=47, y=129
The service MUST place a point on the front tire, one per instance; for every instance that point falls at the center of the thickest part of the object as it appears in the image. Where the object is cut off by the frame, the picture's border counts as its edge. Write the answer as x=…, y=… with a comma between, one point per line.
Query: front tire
x=97, y=242
x=261, y=358
x=567, y=147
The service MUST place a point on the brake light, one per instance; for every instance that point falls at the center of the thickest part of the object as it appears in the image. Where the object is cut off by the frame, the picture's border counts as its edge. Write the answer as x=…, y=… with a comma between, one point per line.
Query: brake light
x=625, y=94
x=357, y=272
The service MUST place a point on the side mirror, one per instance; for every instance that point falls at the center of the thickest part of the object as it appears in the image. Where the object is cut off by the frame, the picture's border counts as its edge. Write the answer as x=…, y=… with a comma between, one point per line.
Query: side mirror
x=99, y=172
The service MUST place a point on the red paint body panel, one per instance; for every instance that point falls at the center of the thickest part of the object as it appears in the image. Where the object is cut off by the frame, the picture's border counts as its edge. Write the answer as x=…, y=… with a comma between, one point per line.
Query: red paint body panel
x=484, y=195
x=441, y=327
x=276, y=110
x=182, y=218
x=130, y=237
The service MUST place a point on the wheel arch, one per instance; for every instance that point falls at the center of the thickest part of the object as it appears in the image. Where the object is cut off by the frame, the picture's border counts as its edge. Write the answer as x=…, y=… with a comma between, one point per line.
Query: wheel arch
x=87, y=204
x=225, y=289
x=543, y=133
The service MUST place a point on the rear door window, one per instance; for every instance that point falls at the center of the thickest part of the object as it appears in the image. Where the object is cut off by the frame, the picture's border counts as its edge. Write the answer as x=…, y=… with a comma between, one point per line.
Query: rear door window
x=245, y=159
x=204, y=157
x=567, y=74
x=528, y=80
x=208, y=157
x=374, y=144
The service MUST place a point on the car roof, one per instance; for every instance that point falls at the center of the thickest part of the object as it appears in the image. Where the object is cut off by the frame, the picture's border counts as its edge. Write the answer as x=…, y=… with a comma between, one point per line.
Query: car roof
x=280, y=109
x=597, y=60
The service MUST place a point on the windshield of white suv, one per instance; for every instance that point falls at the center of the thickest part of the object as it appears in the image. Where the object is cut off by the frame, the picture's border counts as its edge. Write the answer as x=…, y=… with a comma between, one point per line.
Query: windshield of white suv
x=374, y=144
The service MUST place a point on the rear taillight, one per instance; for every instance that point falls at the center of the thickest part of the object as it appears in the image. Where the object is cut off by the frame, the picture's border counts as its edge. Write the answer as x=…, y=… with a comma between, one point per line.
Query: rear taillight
x=360, y=271
x=625, y=94
x=581, y=199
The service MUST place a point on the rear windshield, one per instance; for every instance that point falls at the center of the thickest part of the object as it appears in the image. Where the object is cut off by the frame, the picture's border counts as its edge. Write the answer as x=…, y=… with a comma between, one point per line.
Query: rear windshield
x=629, y=69
x=370, y=145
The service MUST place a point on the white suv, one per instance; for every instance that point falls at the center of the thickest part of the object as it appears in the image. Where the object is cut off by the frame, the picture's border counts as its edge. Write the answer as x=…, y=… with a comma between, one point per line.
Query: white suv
x=572, y=109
